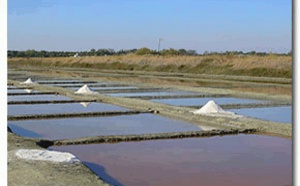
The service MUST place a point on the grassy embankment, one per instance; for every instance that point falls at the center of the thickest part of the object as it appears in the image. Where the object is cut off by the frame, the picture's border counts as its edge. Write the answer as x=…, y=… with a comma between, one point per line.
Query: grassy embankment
x=261, y=66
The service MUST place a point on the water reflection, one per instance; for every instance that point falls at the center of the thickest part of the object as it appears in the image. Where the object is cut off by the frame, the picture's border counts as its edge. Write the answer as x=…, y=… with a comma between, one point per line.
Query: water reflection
x=21, y=90
x=228, y=161
x=102, y=126
x=101, y=172
x=203, y=101
x=21, y=130
x=275, y=114
x=85, y=104
x=25, y=109
x=28, y=90
x=37, y=97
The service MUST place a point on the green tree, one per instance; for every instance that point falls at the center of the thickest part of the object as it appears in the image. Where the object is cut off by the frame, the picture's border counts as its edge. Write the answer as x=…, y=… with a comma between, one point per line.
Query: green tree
x=143, y=51
x=92, y=52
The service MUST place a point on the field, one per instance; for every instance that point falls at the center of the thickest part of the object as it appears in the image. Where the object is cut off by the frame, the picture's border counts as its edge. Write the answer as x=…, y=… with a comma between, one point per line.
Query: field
x=247, y=65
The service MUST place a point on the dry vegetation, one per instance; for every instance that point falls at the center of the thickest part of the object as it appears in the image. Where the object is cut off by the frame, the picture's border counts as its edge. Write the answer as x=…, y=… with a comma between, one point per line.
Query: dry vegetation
x=250, y=65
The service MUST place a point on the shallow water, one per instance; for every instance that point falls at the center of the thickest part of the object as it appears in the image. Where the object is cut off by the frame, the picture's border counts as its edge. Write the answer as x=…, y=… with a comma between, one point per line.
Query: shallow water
x=151, y=94
x=37, y=97
x=229, y=161
x=60, y=108
x=95, y=126
x=276, y=114
x=11, y=86
x=24, y=132
x=203, y=101
x=21, y=90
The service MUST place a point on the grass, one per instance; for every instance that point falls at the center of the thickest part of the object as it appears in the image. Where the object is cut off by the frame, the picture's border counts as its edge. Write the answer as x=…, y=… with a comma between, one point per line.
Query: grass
x=261, y=66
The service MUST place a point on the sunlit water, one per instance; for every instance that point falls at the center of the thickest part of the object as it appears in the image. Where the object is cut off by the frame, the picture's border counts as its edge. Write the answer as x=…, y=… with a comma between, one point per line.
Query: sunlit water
x=203, y=101
x=276, y=114
x=95, y=126
x=228, y=161
x=37, y=98
x=61, y=108
x=22, y=91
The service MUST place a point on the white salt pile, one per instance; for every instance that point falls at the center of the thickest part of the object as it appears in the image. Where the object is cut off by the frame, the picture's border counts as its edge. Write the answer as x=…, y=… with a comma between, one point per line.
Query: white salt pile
x=212, y=109
x=46, y=155
x=85, y=104
x=28, y=81
x=85, y=90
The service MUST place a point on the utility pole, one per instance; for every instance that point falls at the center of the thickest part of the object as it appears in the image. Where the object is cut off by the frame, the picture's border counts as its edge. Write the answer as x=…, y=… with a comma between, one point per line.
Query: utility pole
x=159, y=40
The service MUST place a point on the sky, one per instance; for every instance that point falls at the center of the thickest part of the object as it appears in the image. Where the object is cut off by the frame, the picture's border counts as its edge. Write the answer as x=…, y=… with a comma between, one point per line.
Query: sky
x=201, y=25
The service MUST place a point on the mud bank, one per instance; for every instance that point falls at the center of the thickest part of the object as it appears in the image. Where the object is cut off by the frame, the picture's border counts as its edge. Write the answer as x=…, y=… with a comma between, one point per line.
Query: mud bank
x=159, y=136
x=33, y=93
x=69, y=115
x=47, y=102
x=29, y=172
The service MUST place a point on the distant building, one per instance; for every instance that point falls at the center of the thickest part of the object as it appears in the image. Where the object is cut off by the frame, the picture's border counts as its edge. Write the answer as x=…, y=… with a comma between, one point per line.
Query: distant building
x=76, y=55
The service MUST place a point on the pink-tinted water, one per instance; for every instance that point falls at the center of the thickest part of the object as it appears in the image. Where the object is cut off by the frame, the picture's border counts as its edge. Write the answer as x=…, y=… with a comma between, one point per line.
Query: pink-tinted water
x=229, y=161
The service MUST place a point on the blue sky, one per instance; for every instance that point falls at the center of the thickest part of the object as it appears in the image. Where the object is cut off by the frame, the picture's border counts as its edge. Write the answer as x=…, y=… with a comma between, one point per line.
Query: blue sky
x=202, y=25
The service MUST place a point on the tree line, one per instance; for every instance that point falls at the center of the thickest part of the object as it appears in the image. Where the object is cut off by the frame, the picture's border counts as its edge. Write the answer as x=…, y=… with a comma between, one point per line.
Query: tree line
x=141, y=51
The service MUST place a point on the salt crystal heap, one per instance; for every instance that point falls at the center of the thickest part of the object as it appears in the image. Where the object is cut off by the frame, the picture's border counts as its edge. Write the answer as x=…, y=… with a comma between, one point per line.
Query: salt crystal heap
x=85, y=90
x=211, y=108
x=46, y=155
x=28, y=81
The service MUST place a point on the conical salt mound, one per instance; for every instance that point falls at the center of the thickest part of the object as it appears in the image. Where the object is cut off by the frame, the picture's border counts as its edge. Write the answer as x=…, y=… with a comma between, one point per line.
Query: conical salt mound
x=85, y=90
x=210, y=107
x=28, y=81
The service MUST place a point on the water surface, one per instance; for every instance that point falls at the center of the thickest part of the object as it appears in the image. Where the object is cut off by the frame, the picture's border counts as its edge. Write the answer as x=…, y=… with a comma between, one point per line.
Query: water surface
x=61, y=108
x=275, y=114
x=21, y=90
x=228, y=161
x=203, y=101
x=95, y=126
x=37, y=97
